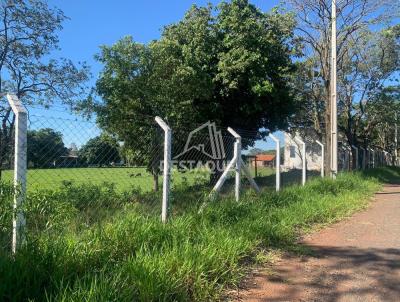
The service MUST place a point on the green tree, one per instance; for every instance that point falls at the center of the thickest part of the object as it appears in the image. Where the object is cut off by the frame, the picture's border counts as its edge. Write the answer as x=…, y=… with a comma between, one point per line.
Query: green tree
x=29, y=35
x=358, y=26
x=229, y=64
x=380, y=115
x=44, y=147
x=101, y=150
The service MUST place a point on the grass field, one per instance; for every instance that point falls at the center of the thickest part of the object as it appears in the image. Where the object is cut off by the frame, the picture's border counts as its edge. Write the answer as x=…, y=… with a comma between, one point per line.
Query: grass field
x=126, y=179
x=123, y=178
x=92, y=243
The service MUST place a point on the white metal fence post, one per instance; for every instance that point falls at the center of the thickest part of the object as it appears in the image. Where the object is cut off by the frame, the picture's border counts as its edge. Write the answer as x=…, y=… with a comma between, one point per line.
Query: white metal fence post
x=20, y=170
x=237, y=153
x=167, y=168
x=304, y=172
x=223, y=177
x=278, y=162
x=237, y=150
x=238, y=163
x=322, y=157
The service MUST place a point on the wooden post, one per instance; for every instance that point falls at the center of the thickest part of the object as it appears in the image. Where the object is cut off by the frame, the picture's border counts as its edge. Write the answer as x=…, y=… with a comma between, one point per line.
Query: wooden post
x=167, y=168
x=20, y=170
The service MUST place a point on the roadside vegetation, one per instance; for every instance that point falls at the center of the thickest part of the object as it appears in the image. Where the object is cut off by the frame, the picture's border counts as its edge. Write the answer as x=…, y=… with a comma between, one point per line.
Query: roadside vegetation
x=93, y=243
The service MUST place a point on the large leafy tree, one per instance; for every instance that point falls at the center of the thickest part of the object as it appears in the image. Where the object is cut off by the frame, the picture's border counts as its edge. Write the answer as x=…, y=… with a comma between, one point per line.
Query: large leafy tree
x=44, y=147
x=28, y=36
x=363, y=79
x=229, y=64
x=379, y=118
x=101, y=150
x=356, y=20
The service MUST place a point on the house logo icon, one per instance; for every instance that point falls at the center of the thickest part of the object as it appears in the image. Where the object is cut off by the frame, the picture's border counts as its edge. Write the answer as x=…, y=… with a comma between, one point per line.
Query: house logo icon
x=206, y=140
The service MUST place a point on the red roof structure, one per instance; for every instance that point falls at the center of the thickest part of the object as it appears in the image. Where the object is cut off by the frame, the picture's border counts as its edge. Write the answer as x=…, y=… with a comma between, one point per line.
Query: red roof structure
x=265, y=157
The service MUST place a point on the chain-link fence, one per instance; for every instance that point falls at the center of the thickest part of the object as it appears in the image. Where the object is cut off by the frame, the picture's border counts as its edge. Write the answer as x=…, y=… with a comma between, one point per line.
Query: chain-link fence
x=74, y=154
x=63, y=152
x=7, y=143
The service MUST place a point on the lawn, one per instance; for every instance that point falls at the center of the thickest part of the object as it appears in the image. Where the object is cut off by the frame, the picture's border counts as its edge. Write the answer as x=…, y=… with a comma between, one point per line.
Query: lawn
x=124, y=179
x=93, y=243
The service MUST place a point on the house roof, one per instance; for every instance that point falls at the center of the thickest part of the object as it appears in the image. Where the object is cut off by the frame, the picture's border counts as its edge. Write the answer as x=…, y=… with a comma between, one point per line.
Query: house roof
x=265, y=157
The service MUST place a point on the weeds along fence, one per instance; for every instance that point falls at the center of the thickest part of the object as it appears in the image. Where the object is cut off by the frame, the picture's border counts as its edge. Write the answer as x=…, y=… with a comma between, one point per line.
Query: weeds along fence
x=159, y=165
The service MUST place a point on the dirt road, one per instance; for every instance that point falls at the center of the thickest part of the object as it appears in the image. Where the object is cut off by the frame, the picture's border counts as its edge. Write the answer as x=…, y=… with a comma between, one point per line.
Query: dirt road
x=355, y=260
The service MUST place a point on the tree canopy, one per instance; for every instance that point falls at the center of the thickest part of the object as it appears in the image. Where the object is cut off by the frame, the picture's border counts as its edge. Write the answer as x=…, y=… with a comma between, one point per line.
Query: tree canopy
x=367, y=58
x=44, y=147
x=229, y=64
x=101, y=150
x=29, y=35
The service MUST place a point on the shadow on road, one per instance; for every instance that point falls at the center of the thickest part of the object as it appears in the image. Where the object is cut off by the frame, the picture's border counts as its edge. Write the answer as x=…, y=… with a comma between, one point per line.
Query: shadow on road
x=338, y=274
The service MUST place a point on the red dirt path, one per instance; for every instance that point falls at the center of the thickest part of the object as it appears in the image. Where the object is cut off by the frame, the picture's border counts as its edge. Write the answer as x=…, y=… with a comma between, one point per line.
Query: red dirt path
x=354, y=260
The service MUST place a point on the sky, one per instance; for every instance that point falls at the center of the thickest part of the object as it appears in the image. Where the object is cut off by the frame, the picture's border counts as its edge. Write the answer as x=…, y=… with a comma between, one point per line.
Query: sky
x=93, y=23
x=102, y=22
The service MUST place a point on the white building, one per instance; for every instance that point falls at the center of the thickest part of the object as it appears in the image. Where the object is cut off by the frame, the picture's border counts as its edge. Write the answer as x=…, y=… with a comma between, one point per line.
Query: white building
x=293, y=154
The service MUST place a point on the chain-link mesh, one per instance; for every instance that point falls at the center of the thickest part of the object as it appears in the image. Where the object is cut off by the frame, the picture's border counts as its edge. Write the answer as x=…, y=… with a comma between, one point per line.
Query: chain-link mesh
x=7, y=142
x=294, y=157
x=260, y=160
x=199, y=157
x=71, y=154
x=64, y=152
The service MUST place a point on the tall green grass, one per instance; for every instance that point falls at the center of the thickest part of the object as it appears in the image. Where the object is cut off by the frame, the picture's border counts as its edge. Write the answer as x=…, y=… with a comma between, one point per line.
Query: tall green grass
x=92, y=243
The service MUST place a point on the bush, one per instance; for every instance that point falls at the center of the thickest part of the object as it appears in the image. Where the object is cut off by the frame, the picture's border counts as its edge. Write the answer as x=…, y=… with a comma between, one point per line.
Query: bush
x=6, y=210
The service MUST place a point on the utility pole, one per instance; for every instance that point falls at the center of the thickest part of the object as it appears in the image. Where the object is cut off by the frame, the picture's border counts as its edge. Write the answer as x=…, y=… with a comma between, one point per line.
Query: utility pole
x=334, y=140
x=395, y=141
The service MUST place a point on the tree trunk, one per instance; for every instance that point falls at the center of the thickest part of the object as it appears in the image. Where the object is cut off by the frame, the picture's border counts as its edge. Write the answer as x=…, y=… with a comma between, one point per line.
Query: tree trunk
x=155, y=182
